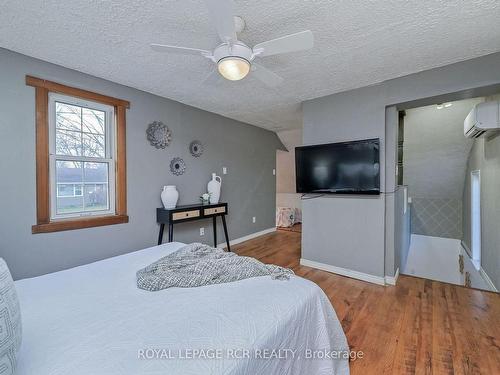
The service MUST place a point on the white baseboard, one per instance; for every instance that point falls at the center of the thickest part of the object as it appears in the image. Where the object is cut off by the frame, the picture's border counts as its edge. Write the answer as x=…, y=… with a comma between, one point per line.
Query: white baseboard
x=343, y=271
x=487, y=279
x=248, y=237
x=391, y=280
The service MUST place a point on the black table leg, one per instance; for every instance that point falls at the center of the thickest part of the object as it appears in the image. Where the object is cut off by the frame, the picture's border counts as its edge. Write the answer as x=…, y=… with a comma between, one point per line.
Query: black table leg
x=214, y=224
x=160, y=235
x=170, y=232
x=225, y=231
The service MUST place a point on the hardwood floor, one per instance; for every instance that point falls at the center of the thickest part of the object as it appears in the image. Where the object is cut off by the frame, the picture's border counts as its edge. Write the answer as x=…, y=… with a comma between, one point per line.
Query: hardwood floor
x=418, y=326
x=294, y=228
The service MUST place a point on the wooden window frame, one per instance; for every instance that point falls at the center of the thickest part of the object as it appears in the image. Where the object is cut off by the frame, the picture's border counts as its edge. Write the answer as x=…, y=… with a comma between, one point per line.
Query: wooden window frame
x=44, y=224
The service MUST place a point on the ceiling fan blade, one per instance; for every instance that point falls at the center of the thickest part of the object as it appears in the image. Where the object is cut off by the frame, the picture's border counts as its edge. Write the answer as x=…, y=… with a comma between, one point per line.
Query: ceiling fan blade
x=179, y=50
x=270, y=78
x=222, y=13
x=289, y=43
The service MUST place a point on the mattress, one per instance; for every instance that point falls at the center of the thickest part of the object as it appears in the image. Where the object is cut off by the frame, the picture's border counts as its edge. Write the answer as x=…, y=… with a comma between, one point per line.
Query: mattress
x=93, y=319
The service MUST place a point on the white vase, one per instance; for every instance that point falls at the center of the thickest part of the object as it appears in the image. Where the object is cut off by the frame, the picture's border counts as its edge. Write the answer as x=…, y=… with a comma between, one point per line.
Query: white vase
x=169, y=196
x=213, y=188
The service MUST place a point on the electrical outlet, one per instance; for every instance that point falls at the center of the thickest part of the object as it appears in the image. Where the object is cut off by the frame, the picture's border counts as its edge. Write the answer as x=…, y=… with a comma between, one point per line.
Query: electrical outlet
x=253, y=219
x=274, y=172
x=224, y=170
x=202, y=231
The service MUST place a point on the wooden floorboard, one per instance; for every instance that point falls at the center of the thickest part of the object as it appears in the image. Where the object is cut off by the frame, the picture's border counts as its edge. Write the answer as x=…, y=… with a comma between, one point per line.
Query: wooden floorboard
x=418, y=326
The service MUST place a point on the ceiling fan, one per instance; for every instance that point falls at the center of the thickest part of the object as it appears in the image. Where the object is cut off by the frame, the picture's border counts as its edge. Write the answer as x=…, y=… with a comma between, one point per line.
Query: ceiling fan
x=234, y=58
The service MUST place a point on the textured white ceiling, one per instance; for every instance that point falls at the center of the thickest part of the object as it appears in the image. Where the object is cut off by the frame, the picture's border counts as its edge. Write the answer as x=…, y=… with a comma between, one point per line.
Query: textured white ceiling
x=357, y=43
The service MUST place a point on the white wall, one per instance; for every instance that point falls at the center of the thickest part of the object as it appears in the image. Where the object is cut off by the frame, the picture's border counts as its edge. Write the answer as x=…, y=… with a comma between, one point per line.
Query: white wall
x=436, y=150
x=286, y=195
x=485, y=156
x=435, y=160
x=402, y=235
x=349, y=232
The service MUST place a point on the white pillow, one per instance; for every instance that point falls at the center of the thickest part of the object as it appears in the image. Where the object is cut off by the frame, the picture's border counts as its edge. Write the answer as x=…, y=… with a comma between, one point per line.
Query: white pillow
x=10, y=322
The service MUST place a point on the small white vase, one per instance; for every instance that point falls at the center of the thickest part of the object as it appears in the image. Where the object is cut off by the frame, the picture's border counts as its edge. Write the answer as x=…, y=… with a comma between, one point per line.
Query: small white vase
x=213, y=188
x=169, y=196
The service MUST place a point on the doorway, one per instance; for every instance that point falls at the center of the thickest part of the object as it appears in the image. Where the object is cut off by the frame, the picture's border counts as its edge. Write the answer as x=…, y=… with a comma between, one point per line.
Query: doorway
x=442, y=170
x=288, y=201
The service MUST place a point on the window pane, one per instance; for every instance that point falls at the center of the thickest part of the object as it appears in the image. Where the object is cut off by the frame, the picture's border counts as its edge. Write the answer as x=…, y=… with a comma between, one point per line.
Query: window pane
x=93, y=121
x=78, y=190
x=68, y=173
x=94, y=145
x=68, y=143
x=65, y=190
x=96, y=190
x=80, y=131
x=68, y=117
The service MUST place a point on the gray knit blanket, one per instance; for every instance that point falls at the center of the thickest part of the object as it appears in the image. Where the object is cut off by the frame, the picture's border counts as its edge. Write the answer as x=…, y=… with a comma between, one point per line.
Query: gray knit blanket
x=197, y=265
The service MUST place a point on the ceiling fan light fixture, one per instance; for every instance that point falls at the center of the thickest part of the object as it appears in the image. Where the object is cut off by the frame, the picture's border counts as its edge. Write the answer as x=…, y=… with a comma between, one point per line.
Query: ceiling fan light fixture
x=233, y=68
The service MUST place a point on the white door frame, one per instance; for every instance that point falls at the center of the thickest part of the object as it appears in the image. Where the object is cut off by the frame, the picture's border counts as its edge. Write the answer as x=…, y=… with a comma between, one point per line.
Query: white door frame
x=475, y=223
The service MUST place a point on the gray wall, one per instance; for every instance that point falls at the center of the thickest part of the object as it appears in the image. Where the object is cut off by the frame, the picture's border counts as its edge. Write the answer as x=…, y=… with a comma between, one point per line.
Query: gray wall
x=437, y=217
x=485, y=156
x=435, y=159
x=349, y=232
x=248, y=152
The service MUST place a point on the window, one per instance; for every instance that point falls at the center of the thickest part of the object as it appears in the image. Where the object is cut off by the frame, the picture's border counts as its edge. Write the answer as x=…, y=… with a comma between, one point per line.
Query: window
x=80, y=158
x=81, y=148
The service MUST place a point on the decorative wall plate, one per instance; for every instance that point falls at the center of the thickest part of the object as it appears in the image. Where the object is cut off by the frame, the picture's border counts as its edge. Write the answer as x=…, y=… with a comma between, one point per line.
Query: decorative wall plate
x=196, y=148
x=177, y=166
x=158, y=134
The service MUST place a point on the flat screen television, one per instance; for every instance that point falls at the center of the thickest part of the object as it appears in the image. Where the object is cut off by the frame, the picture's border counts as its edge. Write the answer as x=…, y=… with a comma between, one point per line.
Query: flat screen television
x=339, y=168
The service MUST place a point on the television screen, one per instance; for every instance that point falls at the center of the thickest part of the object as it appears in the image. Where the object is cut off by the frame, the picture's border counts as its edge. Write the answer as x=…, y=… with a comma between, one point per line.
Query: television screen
x=341, y=168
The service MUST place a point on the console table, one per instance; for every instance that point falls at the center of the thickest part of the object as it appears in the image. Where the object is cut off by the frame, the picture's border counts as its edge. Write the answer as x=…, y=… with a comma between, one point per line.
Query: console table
x=191, y=212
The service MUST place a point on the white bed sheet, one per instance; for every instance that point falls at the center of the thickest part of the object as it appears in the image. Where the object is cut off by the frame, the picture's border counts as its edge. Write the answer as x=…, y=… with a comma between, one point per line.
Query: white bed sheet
x=94, y=320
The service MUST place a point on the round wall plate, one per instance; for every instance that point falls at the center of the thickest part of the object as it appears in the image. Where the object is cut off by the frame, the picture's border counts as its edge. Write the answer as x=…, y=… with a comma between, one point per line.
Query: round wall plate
x=177, y=166
x=196, y=148
x=158, y=134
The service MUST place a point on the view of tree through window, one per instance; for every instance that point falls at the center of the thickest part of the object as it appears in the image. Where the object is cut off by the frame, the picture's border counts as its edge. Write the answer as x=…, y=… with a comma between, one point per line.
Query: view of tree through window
x=82, y=159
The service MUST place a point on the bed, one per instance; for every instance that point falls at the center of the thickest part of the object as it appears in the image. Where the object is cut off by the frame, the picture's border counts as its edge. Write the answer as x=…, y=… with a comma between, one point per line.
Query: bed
x=93, y=319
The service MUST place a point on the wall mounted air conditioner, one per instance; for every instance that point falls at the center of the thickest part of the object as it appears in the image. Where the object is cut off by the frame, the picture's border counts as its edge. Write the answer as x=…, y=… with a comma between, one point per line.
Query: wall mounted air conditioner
x=482, y=120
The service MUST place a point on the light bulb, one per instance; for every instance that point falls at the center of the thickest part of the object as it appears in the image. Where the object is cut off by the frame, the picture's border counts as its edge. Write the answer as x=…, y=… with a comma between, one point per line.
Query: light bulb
x=233, y=68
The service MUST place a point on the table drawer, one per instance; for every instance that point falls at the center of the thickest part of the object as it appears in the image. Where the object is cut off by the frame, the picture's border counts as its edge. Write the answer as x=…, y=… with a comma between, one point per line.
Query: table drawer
x=185, y=214
x=214, y=210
